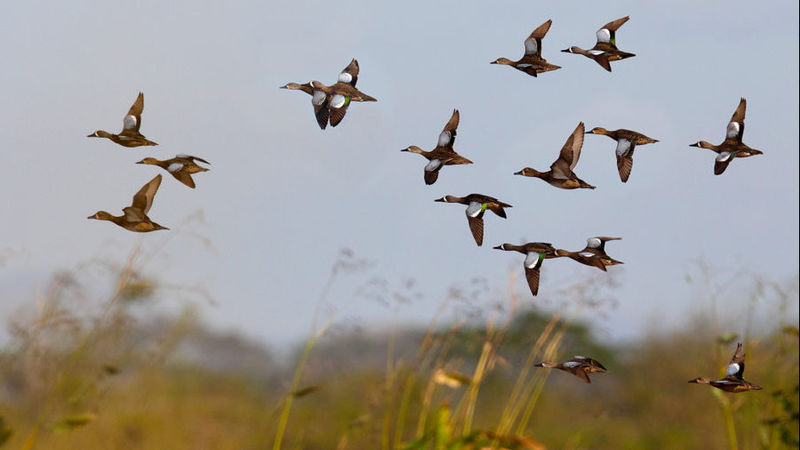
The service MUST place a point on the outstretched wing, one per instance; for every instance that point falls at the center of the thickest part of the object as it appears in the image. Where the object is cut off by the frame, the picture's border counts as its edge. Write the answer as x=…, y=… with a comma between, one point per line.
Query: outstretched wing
x=133, y=120
x=338, y=108
x=625, y=162
x=607, y=33
x=448, y=135
x=721, y=162
x=143, y=199
x=580, y=372
x=476, y=227
x=736, y=367
x=350, y=73
x=571, y=151
x=735, y=130
x=533, y=44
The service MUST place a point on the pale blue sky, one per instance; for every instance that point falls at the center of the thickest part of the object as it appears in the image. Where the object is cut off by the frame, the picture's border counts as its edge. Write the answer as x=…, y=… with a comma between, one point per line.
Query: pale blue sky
x=283, y=196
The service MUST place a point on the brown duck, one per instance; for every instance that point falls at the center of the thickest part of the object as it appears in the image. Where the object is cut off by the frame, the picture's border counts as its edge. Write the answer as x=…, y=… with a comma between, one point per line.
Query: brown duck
x=535, y=254
x=443, y=154
x=580, y=366
x=181, y=167
x=597, y=246
x=605, y=50
x=732, y=147
x=532, y=62
x=477, y=204
x=129, y=136
x=627, y=141
x=733, y=381
x=560, y=174
x=135, y=217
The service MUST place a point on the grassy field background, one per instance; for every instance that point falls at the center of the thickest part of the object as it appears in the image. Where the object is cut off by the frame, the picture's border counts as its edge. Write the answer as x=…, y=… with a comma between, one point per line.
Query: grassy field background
x=83, y=372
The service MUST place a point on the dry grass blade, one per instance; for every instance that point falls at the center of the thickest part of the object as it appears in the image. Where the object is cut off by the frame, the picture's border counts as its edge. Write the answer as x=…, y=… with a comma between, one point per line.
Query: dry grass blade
x=71, y=422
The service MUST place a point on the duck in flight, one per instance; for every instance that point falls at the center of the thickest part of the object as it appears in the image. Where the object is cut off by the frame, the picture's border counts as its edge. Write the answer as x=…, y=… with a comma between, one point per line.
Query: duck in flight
x=135, y=216
x=605, y=49
x=532, y=61
x=181, y=167
x=732, y=147
x=733, y=381
x=535, y=254
x=627, y=141
x=477, y=204
x=560, y=174
x=580, y=366
x=129, y=136
x=443, y=154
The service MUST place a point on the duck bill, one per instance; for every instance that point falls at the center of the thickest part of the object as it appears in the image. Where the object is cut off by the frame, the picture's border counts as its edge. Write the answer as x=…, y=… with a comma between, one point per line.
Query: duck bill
x=518, y=173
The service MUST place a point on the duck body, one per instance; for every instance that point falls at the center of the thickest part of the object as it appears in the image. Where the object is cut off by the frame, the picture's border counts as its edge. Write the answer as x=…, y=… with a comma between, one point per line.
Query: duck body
x=443, y=154
x=627, y=141
x=477, y=205
x=561, y=173
x=532, y=61
x=181, y=167
x=732, y=147
x=129, y=136
x=580, y=366
x=585, y=258
x=733, y=381
x=535, y=254
x=135, y=216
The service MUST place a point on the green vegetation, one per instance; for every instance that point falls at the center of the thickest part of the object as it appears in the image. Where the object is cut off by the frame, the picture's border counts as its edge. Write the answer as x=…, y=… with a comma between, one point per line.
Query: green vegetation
x=77, y=373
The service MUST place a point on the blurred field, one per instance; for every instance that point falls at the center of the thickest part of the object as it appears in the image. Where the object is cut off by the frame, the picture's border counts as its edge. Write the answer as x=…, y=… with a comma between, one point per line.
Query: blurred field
x=82, y=374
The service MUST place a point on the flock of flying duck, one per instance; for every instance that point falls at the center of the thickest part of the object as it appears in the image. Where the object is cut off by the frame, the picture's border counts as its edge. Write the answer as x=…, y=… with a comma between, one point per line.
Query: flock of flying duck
x=331, y=103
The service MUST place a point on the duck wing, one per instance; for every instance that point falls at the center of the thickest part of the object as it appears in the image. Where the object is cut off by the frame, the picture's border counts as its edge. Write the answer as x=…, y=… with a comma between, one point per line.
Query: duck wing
x=625, y=158
x=143, y=199
x=320, y=100
x=184, y=177
x=338, y=108
x=580, y=372
x=607, y=33
x=721, y=162
x=533, y=44
x=571, y=151
x=532, y=265
x=350, y=73
x=448, y=135
x=192, y=158
x=735, y=130
x=476, y=227
x=735, y=368
x=133, y=120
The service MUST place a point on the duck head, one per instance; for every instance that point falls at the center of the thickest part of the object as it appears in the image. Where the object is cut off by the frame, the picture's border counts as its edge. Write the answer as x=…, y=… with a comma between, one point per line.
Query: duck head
x=100, y=133
x=503, y=61
x=529, y=172
x=597, y=130
x=572, y=49
x=148, y=160
x=101, y=215
x=412, y=149
x=502, y=247
x=702, y=144
x=701, y=380
x=448, y=199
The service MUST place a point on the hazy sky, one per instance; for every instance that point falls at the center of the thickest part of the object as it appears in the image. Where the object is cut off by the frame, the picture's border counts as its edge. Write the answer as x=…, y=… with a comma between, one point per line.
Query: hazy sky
x=282, y=196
